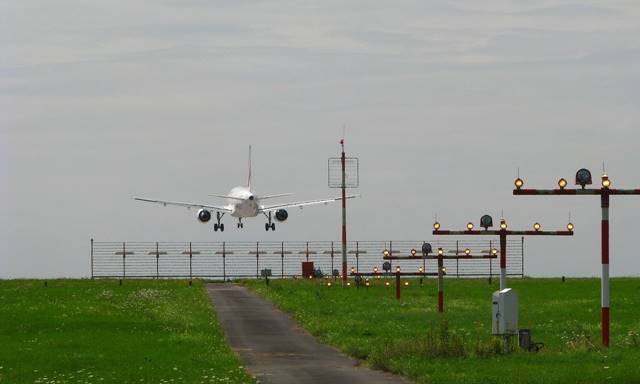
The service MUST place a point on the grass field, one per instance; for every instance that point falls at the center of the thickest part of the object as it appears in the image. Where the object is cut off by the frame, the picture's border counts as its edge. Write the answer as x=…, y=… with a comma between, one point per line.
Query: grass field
x=411, y=338
x=83, y=331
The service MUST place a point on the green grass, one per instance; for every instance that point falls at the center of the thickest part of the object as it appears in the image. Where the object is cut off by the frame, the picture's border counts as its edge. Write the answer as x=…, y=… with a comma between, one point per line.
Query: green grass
x=83, y=331
x=411, y=338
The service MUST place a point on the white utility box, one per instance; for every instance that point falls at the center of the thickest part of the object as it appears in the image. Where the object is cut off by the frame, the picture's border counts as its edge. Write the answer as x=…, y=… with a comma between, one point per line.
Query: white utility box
x=505, y=312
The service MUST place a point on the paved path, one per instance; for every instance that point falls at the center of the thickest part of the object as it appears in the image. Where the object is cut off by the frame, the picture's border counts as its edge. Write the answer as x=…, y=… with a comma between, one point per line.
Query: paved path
x=275, y=350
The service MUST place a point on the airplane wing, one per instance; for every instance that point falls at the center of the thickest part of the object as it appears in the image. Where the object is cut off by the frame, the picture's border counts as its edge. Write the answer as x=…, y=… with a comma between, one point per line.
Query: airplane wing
x=186, y=205
x=301, y=204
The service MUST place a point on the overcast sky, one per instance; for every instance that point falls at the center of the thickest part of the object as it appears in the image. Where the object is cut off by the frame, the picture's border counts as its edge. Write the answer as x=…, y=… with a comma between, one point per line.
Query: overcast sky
x=442, y=102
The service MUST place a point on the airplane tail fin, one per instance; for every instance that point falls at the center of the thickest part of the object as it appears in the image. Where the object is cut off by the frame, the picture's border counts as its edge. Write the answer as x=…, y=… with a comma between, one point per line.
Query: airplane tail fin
x=249, y=180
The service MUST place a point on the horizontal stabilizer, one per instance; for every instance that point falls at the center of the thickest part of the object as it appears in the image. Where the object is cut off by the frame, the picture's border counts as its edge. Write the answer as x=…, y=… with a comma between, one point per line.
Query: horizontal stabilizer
x=274, y=196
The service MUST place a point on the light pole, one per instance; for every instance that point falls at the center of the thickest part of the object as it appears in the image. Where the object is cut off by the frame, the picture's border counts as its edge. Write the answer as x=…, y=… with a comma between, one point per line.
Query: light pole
x=486, y=222
x=583, y=178
x=344, y=215
x=348, y=178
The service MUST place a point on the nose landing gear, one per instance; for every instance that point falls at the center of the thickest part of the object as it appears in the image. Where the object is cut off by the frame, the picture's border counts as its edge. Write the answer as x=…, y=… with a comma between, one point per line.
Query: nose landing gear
x=240, y=224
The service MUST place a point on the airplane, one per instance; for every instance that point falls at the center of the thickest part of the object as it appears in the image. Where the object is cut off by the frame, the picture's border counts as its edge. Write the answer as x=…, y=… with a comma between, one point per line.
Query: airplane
x=242, y=202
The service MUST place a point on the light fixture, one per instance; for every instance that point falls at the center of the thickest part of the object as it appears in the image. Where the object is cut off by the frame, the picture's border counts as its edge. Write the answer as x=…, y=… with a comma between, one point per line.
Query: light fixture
x=406, y=283
x=606, y=183
x=444, y=269
x=420, y=269
x=386, y=283
x=467, y=251
x=494, y=251
x=486, y=222
x=503, y=224
x=413, y=252
x=385, y=253
x=375, y=269
x=398, y=268
x=519, y=183
x=436, y=226
x=536, y=226
x=353, y=270
x=366, y=282
x=329, y=284
x=562, y=183
x=583, y=177
x=570, y=227
x=440, y=252
x=469, y=226
x=348, y=284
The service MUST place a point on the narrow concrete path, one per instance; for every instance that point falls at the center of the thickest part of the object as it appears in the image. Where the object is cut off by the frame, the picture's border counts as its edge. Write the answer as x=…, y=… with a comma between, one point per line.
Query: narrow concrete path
x=276, y=350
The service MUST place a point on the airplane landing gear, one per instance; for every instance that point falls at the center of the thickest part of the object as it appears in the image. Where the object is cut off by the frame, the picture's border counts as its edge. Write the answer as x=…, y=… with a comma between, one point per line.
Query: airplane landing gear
x=270, y=225
x=218, y=225
x=240, y=224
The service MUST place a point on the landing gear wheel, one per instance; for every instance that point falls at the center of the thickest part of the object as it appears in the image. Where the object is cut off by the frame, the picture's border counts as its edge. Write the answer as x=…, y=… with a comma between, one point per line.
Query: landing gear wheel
x=215, y=227
x=221, y=227
x=266, y=227
x=273, y=226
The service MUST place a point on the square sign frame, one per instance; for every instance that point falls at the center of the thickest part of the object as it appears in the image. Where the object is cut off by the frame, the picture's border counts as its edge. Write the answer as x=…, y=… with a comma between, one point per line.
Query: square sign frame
x=352, y=172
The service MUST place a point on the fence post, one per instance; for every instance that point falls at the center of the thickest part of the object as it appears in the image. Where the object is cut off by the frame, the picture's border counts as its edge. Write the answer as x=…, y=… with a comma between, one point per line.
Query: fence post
x=157, y=261
x=92, y=258
x=124, y=264
x=332, y=261
x=457, y=260
x=522, y=256
x=224, y=262
x=257, y=259
x=190, y=264
x=357, y=256
x=282, y=260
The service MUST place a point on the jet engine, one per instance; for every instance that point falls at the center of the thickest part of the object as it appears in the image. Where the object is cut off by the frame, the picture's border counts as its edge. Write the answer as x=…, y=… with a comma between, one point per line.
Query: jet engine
x=204, y=215
x=281, y=215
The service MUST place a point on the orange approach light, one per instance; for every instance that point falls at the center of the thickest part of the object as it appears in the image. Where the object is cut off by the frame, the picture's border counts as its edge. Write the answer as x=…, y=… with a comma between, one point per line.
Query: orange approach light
x=562, y=183
x=518, y=183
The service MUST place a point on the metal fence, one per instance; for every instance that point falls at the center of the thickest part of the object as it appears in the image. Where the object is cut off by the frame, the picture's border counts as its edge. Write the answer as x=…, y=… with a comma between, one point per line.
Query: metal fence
x=234, y=259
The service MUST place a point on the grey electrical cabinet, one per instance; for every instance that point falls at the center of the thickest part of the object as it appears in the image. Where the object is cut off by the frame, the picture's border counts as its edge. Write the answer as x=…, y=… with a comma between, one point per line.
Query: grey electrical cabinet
x=505, y=312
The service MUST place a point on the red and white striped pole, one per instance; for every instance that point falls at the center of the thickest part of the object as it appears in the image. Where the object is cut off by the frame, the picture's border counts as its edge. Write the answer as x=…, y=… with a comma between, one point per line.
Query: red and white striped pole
x=398, y=283
x=440, y=281
x=503, y=259
x=344, y=217
x=604, y=281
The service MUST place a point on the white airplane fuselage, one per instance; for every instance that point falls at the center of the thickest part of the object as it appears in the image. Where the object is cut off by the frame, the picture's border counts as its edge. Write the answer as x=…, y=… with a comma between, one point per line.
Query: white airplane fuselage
x=243, y=202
